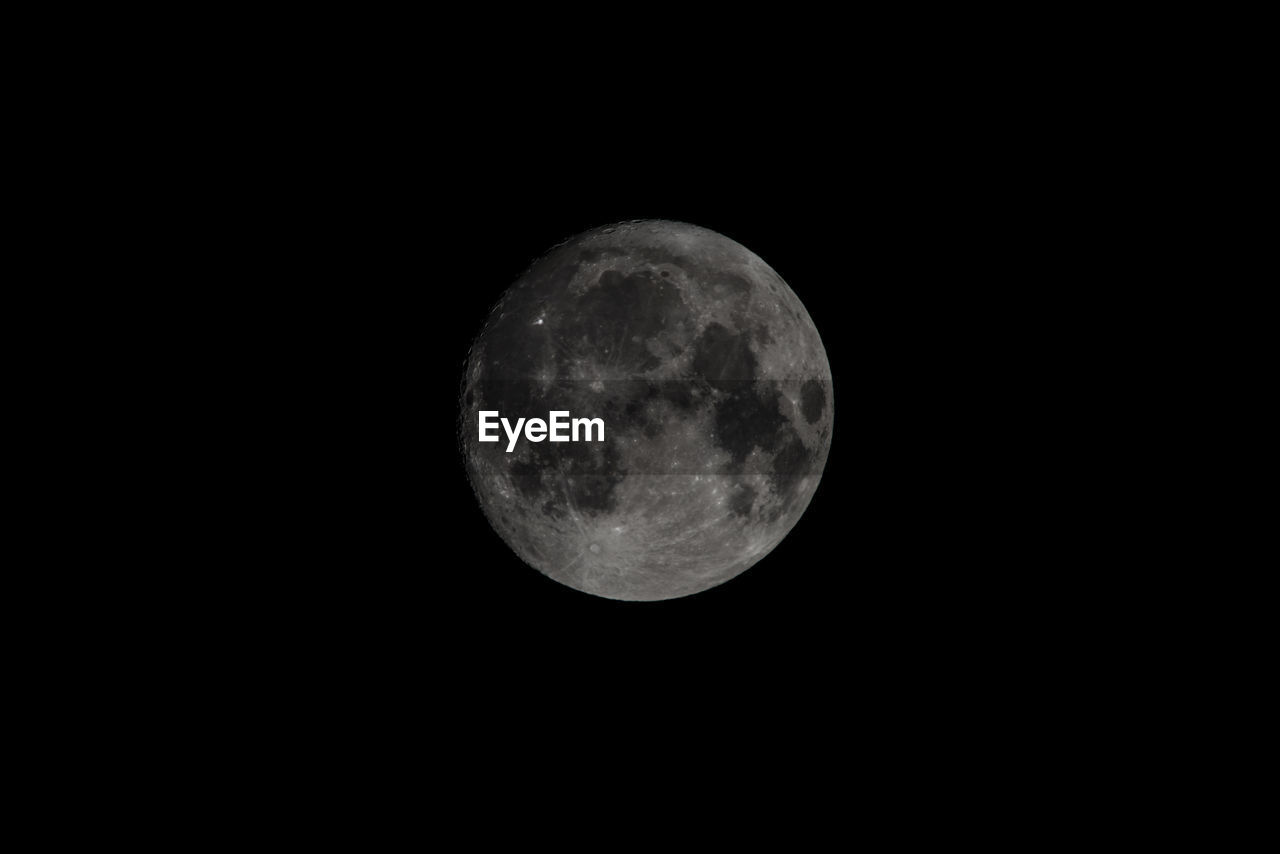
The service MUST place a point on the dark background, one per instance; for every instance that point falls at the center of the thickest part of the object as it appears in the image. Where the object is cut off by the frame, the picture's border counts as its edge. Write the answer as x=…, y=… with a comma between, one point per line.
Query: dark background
x=898, y=246
x=347, y=593
x=347, y=573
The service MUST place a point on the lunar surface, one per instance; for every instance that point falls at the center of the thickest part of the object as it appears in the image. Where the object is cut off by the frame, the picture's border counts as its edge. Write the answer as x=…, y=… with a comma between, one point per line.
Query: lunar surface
x=715, y=393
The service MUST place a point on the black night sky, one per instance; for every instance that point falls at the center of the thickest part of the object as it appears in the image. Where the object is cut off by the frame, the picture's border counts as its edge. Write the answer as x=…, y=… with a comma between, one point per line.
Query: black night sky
x=869, y=235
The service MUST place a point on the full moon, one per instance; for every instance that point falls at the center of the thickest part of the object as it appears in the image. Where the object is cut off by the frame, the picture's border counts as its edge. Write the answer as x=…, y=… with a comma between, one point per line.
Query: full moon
x=715, y=394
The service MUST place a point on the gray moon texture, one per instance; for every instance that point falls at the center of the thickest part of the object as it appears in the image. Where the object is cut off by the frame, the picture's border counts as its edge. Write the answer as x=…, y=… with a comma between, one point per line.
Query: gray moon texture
x=714, y=389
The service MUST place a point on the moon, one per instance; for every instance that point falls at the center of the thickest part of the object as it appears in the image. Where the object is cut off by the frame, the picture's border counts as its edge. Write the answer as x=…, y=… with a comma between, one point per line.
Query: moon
x=714, y=389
